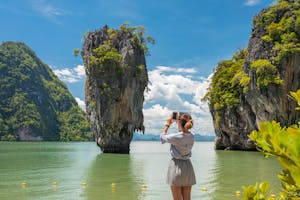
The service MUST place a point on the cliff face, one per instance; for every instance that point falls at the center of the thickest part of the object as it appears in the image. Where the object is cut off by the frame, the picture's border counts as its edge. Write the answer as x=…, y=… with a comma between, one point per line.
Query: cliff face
x=282, y=48
x=258, y=89
x=116, y=80
x=34, y=104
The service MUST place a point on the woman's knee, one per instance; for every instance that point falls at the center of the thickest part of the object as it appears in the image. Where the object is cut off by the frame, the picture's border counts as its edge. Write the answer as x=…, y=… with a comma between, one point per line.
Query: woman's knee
x=177, y=192
x=186, y=192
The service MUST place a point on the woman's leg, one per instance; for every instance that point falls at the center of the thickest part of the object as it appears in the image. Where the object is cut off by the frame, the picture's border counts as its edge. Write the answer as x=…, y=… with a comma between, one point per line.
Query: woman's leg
x=176, y=192
x=186, y=192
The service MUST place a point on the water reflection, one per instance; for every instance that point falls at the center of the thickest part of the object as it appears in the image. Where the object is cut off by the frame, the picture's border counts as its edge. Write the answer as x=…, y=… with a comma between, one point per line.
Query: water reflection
x=204, y=160
x=39, y=164
x=112, y=168
x=235, y=169
x=70, y=164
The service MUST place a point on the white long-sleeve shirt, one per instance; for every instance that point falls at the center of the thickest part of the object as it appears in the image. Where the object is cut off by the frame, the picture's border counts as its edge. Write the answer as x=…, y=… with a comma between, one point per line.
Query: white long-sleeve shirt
x=181, y=144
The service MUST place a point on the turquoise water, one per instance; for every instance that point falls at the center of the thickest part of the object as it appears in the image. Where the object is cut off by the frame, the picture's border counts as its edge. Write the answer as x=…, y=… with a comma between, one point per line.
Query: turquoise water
x=70, y=164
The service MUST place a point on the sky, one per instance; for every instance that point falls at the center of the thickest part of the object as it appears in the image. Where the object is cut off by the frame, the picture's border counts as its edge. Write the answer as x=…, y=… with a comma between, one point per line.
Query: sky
x=191, y=38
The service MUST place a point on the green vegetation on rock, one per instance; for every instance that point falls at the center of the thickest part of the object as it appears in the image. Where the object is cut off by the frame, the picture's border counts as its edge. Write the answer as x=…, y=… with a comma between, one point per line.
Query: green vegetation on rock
x=266, y=73
x=34, y=103
x=228, y=82
x=76, y=127
x=106, y=54
x=252, y=86
x=107, y=59
x=282, y=24
x=116, y=79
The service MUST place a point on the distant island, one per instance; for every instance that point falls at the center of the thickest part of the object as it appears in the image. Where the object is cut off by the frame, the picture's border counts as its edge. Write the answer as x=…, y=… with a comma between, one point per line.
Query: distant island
x=155, y=137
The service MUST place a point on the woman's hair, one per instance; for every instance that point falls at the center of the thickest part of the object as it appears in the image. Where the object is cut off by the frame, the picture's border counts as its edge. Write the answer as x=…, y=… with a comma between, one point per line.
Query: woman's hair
x=186, y=121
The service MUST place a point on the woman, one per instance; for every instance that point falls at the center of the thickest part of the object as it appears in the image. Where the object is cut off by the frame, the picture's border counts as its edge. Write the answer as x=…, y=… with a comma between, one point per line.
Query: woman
x=181, y=174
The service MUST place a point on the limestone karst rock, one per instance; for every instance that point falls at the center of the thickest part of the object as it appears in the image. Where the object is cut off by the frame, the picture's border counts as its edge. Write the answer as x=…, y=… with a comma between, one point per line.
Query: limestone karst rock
x=34, y=104
x=116, y=79
x=254, y=85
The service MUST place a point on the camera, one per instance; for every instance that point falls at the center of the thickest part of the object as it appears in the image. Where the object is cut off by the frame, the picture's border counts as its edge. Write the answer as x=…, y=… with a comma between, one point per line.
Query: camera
x=176, y=115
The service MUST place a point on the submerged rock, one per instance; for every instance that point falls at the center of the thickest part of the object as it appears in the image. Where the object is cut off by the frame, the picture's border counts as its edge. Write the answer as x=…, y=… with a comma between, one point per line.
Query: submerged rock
x=116, y=79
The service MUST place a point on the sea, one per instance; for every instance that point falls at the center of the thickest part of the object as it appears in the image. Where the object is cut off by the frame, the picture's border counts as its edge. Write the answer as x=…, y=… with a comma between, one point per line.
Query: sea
x=79, y=170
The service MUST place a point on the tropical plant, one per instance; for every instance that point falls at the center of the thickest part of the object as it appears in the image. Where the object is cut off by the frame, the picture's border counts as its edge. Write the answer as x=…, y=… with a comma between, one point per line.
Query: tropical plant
x=139, y=39
x=284, y=144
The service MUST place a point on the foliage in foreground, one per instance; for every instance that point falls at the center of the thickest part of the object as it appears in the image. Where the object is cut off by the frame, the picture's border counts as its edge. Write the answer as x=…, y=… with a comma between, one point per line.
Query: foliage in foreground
x=283, y=143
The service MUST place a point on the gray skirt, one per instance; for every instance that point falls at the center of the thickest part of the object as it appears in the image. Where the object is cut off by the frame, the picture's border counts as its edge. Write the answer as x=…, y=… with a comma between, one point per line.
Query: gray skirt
x=181, y=173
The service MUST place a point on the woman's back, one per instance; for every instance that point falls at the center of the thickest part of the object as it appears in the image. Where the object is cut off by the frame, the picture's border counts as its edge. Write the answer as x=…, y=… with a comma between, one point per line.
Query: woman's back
x=181, y=144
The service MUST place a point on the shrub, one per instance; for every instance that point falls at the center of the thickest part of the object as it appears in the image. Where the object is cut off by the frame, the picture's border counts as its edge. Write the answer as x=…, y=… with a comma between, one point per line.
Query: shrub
x=282, y=24
x=104, y=55
x=266, y=73
x=107, y=54
x=9, y=138
x=224, y=90
x=76, y=52
x=244, y=82
x=283, y=143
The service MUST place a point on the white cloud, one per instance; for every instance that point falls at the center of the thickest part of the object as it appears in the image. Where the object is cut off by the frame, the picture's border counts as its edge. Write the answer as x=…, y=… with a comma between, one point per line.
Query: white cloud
x=80, y=103
x=171, y=90
x=252, y=2
x=79, y=69
x=188, y=70
x=49, y=11
x=71, y=75
x=176, y=70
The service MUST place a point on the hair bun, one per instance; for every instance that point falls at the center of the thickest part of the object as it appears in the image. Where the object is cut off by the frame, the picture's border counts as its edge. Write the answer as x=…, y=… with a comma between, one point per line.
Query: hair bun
x=189, y=124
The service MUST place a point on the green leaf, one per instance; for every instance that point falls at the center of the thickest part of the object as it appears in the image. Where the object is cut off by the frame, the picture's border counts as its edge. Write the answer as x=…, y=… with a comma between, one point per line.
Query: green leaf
x=264, y=187
x=249, y=192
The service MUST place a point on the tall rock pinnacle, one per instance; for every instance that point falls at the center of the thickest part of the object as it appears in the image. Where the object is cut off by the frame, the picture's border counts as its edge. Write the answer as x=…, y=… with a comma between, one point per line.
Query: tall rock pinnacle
x=116, y=79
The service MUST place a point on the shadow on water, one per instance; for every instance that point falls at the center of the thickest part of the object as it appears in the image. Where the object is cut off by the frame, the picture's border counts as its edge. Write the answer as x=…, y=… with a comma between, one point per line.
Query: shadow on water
x=235, y=169
x=112, y=168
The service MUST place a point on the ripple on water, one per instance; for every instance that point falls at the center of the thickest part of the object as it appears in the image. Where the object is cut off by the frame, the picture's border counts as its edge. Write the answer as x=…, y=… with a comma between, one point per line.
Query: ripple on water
x=39, y=164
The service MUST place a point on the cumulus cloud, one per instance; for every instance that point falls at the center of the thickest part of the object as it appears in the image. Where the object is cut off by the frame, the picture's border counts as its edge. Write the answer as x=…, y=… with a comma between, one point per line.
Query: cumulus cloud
x=252, y=2
x=170, y=89
x=80, y=103
x=71, y=75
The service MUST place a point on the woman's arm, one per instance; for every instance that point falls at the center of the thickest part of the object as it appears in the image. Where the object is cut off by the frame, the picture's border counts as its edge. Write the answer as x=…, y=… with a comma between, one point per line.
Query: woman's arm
x=163, y=136
x=167, y=125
